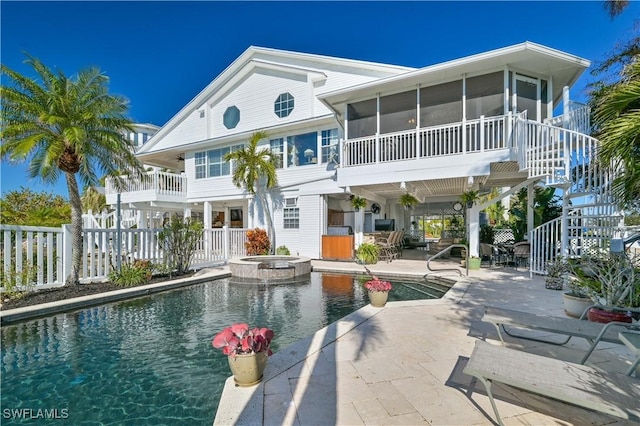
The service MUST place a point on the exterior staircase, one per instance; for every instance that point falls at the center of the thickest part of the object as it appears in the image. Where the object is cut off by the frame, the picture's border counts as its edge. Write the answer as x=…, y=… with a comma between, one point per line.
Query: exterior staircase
x=563, y=155
x=108, y=220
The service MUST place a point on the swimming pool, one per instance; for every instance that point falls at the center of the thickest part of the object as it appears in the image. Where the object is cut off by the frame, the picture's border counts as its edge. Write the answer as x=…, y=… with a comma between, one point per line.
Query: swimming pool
x=149, y=360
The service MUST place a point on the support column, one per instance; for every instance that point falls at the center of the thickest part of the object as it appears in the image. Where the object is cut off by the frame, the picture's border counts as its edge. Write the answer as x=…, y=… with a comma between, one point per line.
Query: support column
x=227, y=215
x=531, y=193
x=506, y=203
x=473, y=230
x=564, y=228
x=566, y=118
x=358, y=223
x=187, y=212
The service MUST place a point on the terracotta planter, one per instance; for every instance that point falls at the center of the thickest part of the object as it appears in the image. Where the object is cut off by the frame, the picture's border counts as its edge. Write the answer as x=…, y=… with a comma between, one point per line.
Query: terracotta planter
x=574, y=306
x=602, y=316
x=247, y=369
x=378, y=298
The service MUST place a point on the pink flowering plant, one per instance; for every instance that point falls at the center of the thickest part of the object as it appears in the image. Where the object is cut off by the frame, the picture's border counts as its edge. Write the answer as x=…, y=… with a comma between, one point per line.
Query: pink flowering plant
x=376, y=284
x=239, y=339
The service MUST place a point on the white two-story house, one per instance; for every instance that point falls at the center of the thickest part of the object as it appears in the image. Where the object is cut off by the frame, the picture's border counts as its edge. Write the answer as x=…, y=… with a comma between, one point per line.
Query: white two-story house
x=340, y=127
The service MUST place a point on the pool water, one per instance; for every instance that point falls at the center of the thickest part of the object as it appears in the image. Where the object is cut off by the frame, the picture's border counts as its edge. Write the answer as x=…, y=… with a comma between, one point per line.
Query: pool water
x=150, y=361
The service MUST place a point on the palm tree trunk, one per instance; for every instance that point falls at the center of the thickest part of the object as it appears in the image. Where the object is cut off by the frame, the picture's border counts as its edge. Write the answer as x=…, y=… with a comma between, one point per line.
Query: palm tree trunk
x=76, y=229
x=267, y=215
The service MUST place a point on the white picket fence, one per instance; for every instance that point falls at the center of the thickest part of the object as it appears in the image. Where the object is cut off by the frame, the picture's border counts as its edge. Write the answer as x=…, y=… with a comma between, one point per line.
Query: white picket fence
x=39, y=256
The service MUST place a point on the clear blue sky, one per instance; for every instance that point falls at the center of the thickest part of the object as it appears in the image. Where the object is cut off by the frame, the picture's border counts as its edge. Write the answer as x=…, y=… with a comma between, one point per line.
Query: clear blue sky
x=161, y=54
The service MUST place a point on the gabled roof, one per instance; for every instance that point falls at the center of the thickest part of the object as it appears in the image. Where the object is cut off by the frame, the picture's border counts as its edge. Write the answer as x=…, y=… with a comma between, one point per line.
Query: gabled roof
x=527, y=56
x=255, y=57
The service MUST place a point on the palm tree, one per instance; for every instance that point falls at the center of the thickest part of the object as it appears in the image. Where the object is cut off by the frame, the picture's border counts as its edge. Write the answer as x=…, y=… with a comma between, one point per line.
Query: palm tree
x=69, y=126
x=615, y=7
x=616, y=119
x=255, y=171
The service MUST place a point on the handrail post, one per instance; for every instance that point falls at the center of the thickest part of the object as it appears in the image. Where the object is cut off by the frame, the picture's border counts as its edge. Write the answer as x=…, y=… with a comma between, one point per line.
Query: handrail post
x=482, y=124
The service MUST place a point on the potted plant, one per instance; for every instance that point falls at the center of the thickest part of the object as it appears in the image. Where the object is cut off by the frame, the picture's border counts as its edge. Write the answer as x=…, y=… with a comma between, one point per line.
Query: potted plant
x=468, y=198
x=575, y=300
x=557, y=272
x=358, y=202
x=247, y=350
x=378, y=291
x=408, y=200
x=609, y=280
x=474, y=262
x=368, y=253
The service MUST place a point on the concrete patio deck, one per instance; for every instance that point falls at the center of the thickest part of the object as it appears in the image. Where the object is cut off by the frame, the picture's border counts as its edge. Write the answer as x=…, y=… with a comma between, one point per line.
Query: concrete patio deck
x=403, y=364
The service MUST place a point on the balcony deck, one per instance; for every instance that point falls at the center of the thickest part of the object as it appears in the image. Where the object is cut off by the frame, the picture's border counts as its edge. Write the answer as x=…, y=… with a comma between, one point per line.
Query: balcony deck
x=464, y=148
x=470, y=136
x=155, y=186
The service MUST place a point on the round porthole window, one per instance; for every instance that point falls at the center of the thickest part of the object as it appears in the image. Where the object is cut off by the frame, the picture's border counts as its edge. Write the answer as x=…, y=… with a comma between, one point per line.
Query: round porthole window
x=283, y=105
x=231, y=117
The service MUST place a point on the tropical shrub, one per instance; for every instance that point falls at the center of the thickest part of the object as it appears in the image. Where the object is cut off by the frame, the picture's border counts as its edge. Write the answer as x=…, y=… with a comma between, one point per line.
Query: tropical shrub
x=257, y=242
x=17, y=283
x=283, y=251
x=486, y=234
x=368, y=253
x=179, y=238
x=132, y=274
x=609, y=279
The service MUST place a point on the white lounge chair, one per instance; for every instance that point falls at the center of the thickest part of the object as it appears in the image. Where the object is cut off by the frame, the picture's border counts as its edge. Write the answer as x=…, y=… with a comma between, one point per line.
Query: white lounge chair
x=594, y=332
x=585, y=386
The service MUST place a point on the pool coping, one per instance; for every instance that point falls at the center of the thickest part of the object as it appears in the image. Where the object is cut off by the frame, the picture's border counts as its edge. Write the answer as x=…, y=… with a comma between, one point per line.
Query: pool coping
x=11, y=316
x=244, y=405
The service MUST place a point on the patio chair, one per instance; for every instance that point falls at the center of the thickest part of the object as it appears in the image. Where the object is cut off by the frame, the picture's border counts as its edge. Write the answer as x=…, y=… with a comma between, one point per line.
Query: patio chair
x=521, y=253
x=588, y=387
x=593, y=332
x=490, y=253
x=388, y=249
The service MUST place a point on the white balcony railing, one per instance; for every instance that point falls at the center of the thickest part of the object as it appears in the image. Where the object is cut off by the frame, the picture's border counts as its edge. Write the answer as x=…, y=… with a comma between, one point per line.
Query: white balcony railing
x=161, y=183
x=482, y=134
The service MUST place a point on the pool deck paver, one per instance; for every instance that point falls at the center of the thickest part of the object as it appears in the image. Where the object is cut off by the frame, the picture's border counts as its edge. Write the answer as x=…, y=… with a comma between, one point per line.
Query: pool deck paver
x=402, y=364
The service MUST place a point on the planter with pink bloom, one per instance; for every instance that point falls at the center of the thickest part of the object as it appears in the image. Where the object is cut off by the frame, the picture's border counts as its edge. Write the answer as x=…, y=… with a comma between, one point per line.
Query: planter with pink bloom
x=247, y=350
x=378, y=291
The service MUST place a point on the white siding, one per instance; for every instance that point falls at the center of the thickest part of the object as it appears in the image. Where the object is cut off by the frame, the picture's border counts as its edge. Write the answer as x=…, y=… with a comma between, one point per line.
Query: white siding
x=312, y=224
x=191, y=129
x=316, y=178
x=255, y=96
x=304, y=241
x=285, y=237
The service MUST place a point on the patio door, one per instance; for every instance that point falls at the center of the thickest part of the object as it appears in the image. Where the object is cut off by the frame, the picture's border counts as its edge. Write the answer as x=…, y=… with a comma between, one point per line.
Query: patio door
x=527, y=96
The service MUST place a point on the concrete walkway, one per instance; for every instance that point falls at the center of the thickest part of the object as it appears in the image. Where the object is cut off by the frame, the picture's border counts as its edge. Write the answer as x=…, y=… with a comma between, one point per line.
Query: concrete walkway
x=403, y=364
